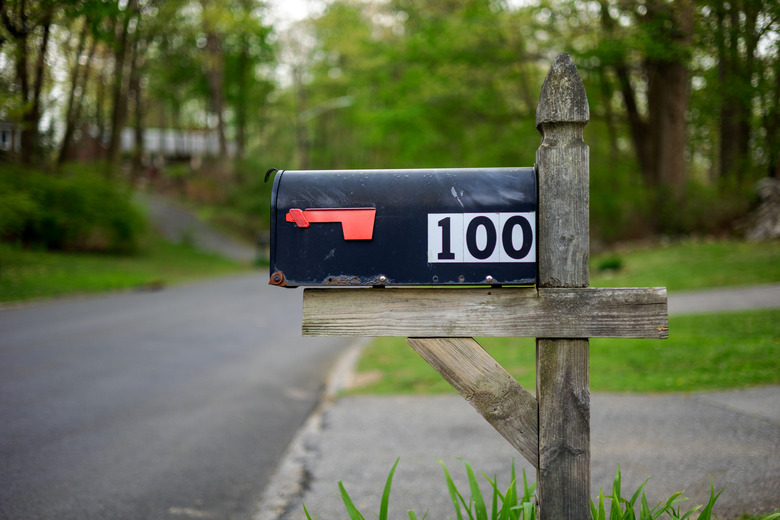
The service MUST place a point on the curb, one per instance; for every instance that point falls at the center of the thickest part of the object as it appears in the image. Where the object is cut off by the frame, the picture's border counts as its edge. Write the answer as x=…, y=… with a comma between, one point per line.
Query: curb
x=291, y=477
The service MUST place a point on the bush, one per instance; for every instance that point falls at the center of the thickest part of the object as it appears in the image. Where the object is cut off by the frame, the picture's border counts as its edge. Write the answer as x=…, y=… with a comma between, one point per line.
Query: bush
x=76, y=210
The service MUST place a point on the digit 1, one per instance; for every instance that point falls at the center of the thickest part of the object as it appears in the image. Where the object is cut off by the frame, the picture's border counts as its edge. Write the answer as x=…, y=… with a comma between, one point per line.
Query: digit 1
x=446, y=240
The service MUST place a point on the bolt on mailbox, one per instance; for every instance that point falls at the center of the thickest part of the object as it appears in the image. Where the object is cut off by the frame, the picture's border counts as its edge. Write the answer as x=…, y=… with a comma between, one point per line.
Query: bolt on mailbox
x=404, y=227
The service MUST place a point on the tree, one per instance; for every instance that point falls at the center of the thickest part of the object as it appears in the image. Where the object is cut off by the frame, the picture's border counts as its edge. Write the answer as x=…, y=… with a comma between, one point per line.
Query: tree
x=90, y=15
x=28, y=25
x=661, y=34
x=742, y=36
x=126, y=29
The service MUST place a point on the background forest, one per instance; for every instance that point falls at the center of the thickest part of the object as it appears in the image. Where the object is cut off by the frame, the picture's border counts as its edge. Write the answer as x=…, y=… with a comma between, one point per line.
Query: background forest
x=684, y=98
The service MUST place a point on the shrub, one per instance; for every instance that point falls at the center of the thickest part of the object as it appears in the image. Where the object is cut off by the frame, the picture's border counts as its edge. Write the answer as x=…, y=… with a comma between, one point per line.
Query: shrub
x=75, y=210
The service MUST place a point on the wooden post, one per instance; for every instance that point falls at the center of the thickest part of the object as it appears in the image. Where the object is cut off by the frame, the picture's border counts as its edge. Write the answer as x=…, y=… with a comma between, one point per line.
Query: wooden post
x=563, y=249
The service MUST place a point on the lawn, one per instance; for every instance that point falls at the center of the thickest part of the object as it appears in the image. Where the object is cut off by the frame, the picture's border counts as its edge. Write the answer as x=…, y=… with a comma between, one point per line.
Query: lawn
x=703, y=352
x=690, y=265
x=29, y=274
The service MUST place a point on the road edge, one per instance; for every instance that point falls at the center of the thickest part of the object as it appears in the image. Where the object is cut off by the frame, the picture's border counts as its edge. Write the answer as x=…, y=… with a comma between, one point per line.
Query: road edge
x=291, y=477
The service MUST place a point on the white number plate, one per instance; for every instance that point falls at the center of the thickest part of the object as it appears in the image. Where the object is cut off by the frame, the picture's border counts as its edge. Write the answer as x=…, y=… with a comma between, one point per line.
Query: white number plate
x=481, y=237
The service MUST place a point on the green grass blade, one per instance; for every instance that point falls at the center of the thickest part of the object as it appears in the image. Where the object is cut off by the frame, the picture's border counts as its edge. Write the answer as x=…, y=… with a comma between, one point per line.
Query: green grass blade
x=667, y=507
x=308, y=516
x=455, y=496
x=352, y=511
x=601, y=512
x=494, y=505
x=497, y=495
x=476, y=493
x=636, y=494
x=528, y=491
x=508, y=511
x=706, y=513
x=510, y=497
x=644, y=509
x=615, y=511
x=529, y=511
x=688, y=514
x=385, y=504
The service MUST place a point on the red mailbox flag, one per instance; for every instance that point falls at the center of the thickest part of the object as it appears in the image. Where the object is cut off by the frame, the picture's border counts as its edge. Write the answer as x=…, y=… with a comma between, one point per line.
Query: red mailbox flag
x=356, y=223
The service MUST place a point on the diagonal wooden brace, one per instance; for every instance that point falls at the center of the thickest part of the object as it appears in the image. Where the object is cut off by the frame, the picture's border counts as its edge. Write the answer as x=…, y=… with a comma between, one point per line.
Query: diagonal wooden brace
x=488, y=387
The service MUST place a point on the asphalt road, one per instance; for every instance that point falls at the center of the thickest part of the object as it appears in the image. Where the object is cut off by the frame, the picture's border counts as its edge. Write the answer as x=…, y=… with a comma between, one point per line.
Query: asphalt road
x=153, y=405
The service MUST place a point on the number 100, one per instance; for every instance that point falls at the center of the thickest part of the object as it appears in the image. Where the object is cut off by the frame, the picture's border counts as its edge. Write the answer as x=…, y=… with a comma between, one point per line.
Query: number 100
x=481, y=237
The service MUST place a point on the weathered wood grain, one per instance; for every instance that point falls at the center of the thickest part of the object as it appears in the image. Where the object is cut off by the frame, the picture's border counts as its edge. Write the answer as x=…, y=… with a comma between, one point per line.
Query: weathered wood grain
x=564, y=427
x=507, y=311
x=563, y=479
x=488, y=387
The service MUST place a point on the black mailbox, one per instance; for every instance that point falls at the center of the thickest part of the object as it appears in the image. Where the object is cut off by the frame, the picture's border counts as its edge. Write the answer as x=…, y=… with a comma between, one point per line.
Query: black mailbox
x=404, y=227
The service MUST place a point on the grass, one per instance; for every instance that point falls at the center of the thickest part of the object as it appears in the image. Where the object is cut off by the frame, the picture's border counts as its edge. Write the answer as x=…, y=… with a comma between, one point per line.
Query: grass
x=513, y=505
x=29, y=274
x=703, y=352
x=689, y=265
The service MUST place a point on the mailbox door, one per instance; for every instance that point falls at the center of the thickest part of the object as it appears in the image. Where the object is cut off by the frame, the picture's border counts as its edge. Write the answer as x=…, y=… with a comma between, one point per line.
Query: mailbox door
x=404, y=227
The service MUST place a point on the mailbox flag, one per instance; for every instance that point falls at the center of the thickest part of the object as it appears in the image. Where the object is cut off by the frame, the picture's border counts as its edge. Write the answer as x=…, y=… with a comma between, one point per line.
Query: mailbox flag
x=356, y=223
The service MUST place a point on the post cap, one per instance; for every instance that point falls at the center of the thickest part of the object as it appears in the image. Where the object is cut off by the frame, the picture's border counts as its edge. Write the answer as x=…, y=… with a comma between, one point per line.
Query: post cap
x=563, y=98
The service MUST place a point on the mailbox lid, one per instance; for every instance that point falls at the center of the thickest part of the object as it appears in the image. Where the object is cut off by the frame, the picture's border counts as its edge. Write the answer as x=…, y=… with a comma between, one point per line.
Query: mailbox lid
x=430, y=227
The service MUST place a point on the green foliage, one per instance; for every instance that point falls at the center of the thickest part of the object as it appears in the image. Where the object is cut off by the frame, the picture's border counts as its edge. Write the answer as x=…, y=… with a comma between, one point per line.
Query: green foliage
x=431, y=84
x=384, y=507
x=703, y=352
x=625, y=509
x=249, y=200
x=77, y=210
x=456, y=84
x=512, y=506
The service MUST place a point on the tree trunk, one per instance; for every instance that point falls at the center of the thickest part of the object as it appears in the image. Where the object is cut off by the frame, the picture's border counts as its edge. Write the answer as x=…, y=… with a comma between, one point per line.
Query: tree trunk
x=668, y=97
x=659, y=137
x=31, y=94
x=119, y=90
x=27, y=134
x=20, y=24
x=772, y=125
x=636, y=122
x=241, y=102
x=100, y=116
x=70, y=114
x=216, y=77
x=301, y=127
x=135, y=90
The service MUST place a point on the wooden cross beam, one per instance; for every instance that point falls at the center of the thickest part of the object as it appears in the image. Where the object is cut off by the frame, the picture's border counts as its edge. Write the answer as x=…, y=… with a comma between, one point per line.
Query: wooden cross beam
x=487, y=312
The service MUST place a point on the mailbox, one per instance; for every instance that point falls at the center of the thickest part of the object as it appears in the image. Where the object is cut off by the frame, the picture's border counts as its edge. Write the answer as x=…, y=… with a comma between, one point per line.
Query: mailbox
x=404, y=227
